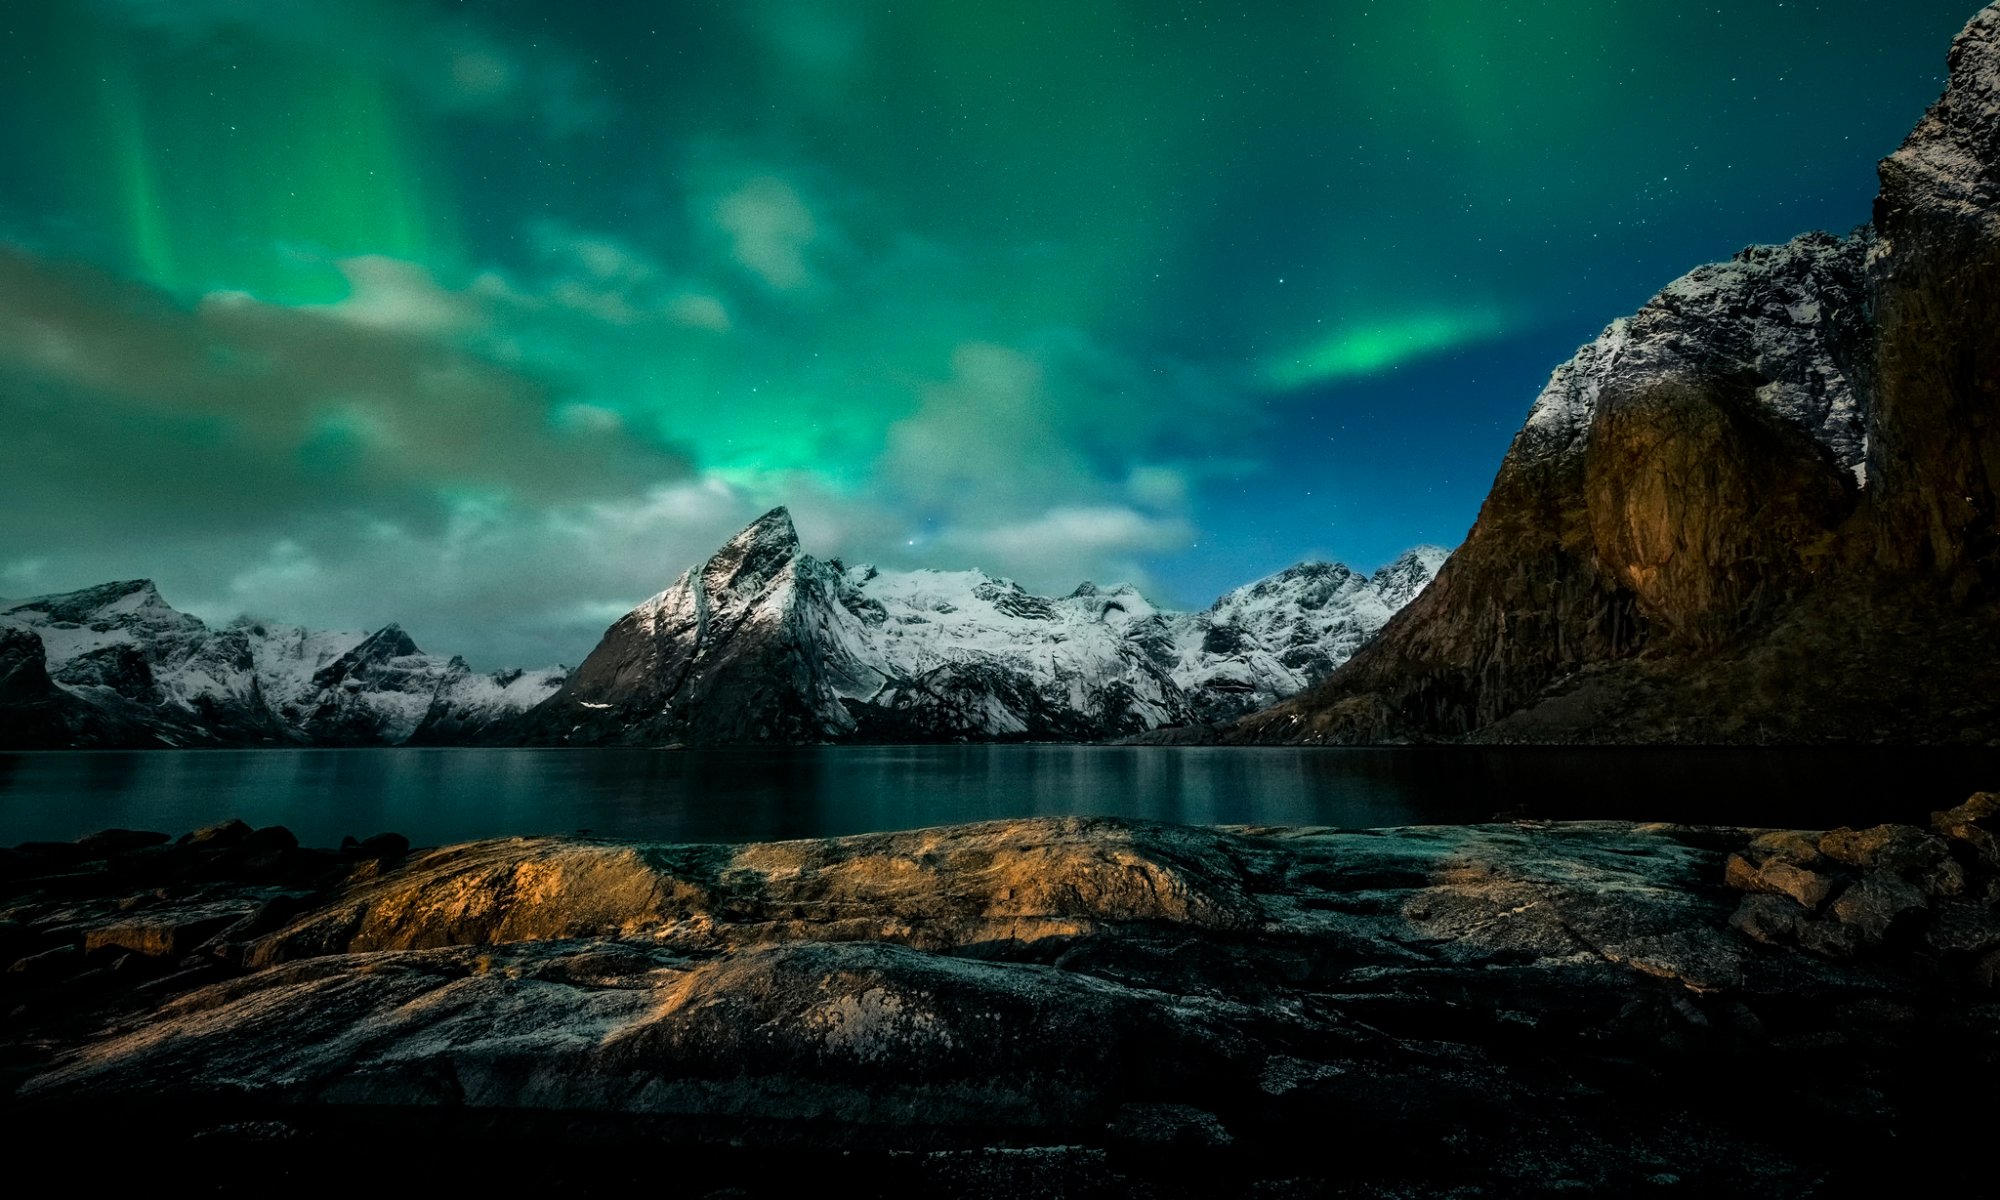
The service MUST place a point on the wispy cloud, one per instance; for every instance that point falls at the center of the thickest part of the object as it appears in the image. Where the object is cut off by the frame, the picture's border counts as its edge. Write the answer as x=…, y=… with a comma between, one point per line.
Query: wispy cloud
x=769, y=229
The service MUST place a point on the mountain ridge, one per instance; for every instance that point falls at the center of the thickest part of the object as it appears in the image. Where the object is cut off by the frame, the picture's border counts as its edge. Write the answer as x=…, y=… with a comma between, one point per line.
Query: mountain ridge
x=1764, y=508
x=759, y=643
x=115, y=665
x=764, y=643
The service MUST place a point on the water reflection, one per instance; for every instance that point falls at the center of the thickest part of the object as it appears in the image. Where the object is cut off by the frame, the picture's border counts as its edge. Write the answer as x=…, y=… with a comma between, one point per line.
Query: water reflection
x=735, y=795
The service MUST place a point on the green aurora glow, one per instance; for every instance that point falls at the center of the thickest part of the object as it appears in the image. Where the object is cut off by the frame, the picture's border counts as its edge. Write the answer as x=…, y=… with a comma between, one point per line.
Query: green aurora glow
x=565, y=291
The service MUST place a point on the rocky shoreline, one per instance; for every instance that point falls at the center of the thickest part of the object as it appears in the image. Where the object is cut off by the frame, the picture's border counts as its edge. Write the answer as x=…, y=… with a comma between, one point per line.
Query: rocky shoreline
x=1084, y=1006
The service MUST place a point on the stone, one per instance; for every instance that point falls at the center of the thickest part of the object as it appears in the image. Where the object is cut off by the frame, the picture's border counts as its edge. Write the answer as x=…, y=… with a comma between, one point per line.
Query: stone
x=1769, y=918
x=384, y=846
x=215, y=837
x=1781, y=877
x=166, y=934
x=106, y=842
x=1974, y=824
x=268, y=839
x=1872, y=906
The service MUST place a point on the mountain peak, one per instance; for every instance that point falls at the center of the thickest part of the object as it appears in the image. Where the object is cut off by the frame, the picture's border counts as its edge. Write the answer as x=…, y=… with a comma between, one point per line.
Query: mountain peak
x=390, y=641
x=759, y=553
x=1428, y=556
x=774, y=528
x=103, y=601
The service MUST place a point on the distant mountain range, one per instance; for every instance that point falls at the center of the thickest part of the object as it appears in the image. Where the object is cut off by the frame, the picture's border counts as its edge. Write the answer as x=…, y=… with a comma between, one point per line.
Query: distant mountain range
x=761, y=644
x=764, y=643
x=115, y=665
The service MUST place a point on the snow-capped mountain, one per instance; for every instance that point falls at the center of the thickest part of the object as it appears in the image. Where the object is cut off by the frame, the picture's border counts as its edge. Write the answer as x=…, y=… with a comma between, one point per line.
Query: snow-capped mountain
x=1278, y=636
x=119, y=666
x=764, y=643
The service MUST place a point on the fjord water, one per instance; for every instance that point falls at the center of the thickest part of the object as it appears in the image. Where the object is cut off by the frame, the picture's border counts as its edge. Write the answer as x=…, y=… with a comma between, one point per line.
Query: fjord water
x=447, y=795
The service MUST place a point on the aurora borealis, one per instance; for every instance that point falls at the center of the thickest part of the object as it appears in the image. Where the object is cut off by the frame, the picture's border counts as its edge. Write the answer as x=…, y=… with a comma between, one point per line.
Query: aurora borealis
x=490, y=318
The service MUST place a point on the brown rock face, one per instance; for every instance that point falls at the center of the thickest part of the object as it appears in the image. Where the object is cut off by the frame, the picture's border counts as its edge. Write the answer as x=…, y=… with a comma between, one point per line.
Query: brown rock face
x=1678, y=481
x=1936, y=432
x=1765, y=508
x=1702, y=507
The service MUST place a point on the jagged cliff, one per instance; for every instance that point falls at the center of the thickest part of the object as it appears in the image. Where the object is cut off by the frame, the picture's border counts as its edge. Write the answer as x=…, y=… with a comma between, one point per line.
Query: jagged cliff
x=1761, y=509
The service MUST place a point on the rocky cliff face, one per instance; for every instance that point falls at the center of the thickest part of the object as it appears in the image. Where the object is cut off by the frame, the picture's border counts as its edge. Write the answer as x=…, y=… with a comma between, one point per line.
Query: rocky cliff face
x=116, y=665
x=764, y=643
x=1762, y=508
x=1935, y=279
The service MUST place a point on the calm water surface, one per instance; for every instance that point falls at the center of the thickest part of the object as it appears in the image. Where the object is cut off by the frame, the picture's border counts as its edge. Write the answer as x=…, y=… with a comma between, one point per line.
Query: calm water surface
x=436, y=796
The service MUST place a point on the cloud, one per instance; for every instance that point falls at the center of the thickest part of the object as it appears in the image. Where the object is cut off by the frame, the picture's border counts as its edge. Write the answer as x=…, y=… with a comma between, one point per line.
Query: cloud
x=769, y=229
x=147, y=427
x=498, y=583
x=1370, y=347
x=395, y=296
x=1069, y=543
x=698, y=311
x=607, y=280
x=995, y=408
x=501, y=457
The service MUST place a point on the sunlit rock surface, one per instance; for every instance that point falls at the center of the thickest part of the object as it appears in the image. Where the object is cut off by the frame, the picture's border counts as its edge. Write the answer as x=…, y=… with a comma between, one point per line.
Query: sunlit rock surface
x=1146, y=1008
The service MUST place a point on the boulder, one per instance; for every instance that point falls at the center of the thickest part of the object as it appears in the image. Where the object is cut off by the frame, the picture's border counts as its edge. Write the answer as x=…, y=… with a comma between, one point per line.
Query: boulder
x=216, y=837
x=1769, y=918
x=1974, y=824
x=1779, y=877
x=107, y=842
x=1873, y=906
x=270, y=838
x=1904, y=850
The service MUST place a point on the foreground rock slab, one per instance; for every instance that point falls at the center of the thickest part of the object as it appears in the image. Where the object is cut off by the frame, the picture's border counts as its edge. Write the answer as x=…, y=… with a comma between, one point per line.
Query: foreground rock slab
x=1085, y=1006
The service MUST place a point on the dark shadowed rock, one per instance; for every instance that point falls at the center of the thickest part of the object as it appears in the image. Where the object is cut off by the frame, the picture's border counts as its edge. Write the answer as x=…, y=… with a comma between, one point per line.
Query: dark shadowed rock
x=107, y=842
x=220, y=836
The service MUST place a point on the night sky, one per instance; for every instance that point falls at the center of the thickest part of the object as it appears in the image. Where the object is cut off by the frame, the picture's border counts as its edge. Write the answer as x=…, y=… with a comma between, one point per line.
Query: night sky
x=490, y=318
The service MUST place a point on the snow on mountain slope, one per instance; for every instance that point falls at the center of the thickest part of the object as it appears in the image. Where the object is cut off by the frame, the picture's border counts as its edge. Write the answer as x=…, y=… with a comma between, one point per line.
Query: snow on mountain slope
x=121, y=646
x=1278, y=636
x=1785, y=316
x=766, y=643
x=288, y=656
x=145, y=666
